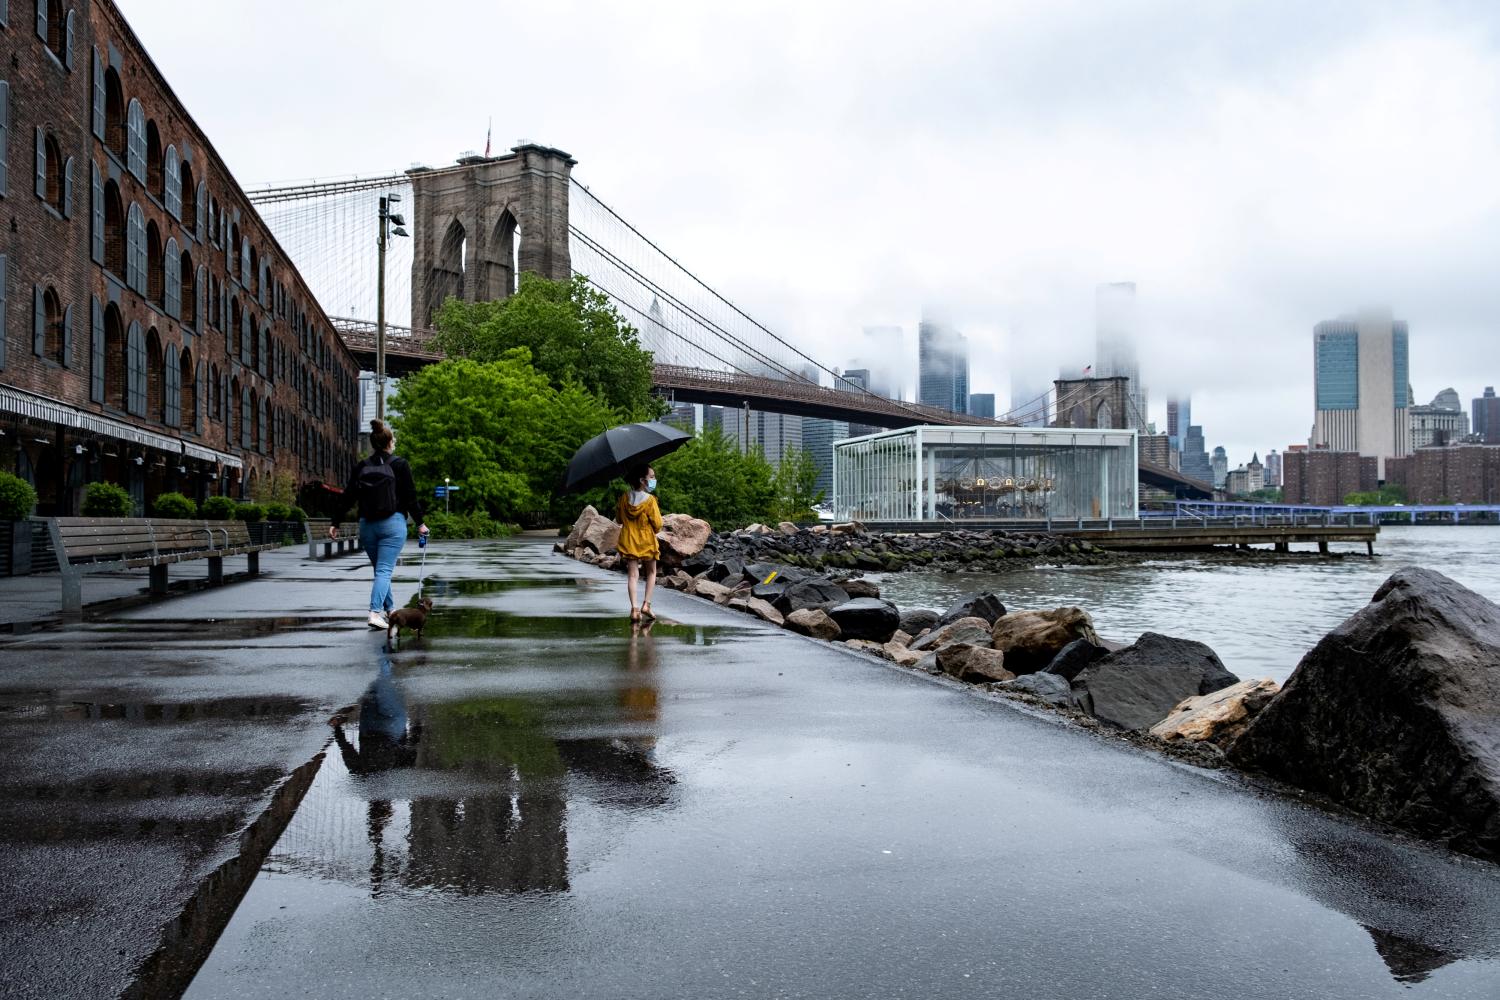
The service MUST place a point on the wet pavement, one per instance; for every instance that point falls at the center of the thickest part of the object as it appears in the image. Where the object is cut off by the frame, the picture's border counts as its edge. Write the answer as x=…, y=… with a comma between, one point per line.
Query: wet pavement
x=534, y=800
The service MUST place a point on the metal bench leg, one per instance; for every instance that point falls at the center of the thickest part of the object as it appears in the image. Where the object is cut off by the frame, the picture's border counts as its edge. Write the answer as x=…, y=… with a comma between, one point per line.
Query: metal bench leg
x=215, y=571
x=254, y=560
x=312, y=546
x=159, y=579
x=72, y=592
x=327, y=550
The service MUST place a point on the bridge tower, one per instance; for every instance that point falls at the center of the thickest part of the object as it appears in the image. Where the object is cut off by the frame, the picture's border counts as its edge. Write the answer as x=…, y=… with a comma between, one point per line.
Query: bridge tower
x=478, y=224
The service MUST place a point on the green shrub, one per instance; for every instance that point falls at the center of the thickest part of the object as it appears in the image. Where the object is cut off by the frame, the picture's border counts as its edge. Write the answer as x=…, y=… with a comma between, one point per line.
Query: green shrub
x=106, y=500
x=218, y=509
x=476, y=524
x=174, y=505
x=17, y=498
x=295, y=513
x=249, y=512
x=276, y=511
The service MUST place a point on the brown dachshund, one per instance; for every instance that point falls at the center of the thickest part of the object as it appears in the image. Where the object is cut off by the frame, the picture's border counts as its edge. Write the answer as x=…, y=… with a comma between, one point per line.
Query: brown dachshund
x=412, y=619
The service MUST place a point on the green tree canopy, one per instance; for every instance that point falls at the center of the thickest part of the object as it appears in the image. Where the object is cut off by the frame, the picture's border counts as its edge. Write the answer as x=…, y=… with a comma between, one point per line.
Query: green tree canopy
x=574, y=336
x=710, y=478
x=796, y=484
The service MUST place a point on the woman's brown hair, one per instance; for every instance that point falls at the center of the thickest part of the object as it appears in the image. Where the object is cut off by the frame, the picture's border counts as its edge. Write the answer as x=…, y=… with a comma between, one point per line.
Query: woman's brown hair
x=380, y=435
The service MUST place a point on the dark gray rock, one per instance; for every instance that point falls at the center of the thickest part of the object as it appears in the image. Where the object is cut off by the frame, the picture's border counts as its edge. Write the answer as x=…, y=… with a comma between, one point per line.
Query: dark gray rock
x=986, y=606
x=703, y=562
x=866, y=618
x=1074, y=657
x=1394, y=714
x=917, y=619
x=814, y=592
x=755, y=572
x=1136, y=687
x=1047, y=687
x=729, y=568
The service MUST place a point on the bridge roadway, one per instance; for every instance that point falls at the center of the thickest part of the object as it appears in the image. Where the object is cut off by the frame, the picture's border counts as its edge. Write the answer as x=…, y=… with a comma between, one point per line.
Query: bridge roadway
x=407, y=349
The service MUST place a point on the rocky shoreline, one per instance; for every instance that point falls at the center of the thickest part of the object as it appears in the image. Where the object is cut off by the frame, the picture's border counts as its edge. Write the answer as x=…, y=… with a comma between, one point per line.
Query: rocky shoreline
x=1395, y=715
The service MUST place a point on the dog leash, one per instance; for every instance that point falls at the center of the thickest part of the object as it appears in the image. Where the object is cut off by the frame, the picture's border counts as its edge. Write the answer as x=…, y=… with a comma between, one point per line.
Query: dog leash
x=422, y=572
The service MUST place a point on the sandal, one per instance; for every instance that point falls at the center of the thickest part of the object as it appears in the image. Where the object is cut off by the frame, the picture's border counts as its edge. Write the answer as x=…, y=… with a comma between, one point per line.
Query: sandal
x=646, y=611
x=635, y=614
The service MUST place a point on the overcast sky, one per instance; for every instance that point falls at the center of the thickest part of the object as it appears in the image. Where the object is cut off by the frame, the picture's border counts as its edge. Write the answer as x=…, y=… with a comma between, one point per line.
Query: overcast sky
x=1254, y=167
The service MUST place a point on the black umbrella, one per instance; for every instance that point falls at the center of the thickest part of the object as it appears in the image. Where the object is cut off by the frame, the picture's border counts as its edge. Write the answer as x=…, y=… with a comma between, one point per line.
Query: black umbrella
x=608, y=455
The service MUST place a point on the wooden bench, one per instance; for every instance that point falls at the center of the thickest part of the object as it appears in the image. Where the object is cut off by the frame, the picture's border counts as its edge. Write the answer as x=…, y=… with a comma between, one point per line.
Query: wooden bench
x=317, y=534
x=104, y=544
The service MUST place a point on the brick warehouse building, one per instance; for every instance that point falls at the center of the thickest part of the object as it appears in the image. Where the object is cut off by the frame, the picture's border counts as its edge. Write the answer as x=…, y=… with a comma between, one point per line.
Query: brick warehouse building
x=1324, y=478
x=1465, y=473
x=152, y=331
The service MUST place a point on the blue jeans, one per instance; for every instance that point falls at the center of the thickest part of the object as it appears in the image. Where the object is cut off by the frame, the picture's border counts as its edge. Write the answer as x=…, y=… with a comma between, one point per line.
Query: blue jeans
x=382, y=541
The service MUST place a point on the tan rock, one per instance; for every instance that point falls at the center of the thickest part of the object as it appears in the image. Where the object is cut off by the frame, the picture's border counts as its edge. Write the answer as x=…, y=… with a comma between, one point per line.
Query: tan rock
x=608, y=561
x=901, y=638
x=1218, y=717
x=600, y=534
x=716, y=592
x=819, y=529
x=1030, y=639
x=678, y=581
x=575, y=537
x=787, y=528
x=763, y=610
x=974, y=664
x=681, y=537
x=866, y=646
x=971, y=630
x=738, y=604
x=899, y=653
x=847, y=528
x=814, y=622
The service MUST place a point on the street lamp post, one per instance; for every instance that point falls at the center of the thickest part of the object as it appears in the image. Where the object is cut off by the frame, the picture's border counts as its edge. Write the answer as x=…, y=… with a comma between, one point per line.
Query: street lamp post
x=447, y=491
x=387, y=217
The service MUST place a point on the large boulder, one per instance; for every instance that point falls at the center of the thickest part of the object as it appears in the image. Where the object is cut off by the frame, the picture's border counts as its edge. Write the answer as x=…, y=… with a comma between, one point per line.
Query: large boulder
x=918, y=620
x=865, y=618
x=975, y=631
x=1031, y=639
x=787, y=528
x=1219, y=717
x=681, y=537
x=600, y=534
x=1396, y=714
x=1136, y=687
x=726, y=570
x=575, y=537
x=900, y=654
x=975, y=664
x=716, y=592
x=815, y=592
x=814, y=622
x=986, y=606
x=1050, y=689
x=762, y=571
x=1076, y=655
x=859, y=588
x=764, y=611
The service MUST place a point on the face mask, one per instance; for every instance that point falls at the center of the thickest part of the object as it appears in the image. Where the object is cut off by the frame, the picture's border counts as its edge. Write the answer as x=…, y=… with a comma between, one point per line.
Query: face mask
x=651, y=486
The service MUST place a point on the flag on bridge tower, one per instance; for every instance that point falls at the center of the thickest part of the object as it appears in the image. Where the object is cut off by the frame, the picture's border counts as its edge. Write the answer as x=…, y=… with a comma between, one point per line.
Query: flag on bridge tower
x=487, y=133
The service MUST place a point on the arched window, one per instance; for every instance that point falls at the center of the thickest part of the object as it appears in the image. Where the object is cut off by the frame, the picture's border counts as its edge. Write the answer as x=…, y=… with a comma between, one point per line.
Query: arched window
x=263, y=440
x=246, y=417
x=156, y=285
x=135, y=370
x=253, y=276
x=245, y=273
x=215, y=394
x=187, y=289
x=135, y=149
x=247, y=339
x=234, y=346
x=47, y=323
x=115, y=129
x=215, y=222
x=263, y=351
x=196, y=194
x=188, y=389
x=171, y=194
x=153, y=159
x=171, y=401
x=114, y=230
x=135, y=248
x=51, y=26
x=172, y=278
x=53, y=185
x=116, y=358
x=154, y=396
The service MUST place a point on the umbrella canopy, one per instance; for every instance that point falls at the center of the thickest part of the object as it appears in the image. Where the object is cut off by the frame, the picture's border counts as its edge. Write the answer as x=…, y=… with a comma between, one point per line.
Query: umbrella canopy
x=605, y=456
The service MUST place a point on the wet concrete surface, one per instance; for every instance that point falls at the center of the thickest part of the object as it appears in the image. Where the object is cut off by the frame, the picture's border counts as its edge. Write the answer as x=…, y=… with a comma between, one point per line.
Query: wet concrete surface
x=536, y=800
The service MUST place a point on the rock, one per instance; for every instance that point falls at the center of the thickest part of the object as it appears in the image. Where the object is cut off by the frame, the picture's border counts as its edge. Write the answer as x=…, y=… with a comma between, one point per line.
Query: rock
x=754, y=529
x=865, y=618
x=1136, y=687
x=1073, y=657
x=986, y=606
x=600, y=534
x=975, y=631
x=1219, y=717
x=814, y=622
x=975, y=664
x=575, y=537
x=764, y=611
x=819, y=529
x=1031, y=639
x=681, y=537
x=609, y=561
x=787, y=528
x=1049, y=688
x=815, y=592
x=1394, y=714
x=903, y=656
x=865, y=646
x=859, y=588
x=759, y=572
x=716, y=592
x=917, y=620
x=726, y=570
x=901, y=638
x=741, y=604
x=701, y=563
x=678, y=581
x=847, y=528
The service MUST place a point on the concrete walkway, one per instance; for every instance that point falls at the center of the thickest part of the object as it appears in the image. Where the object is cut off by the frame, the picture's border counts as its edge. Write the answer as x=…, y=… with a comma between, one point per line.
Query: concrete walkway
x=536, y=801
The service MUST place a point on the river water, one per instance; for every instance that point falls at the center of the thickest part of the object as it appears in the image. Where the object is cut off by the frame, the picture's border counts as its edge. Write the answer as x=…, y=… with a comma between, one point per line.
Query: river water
x=1259, y=616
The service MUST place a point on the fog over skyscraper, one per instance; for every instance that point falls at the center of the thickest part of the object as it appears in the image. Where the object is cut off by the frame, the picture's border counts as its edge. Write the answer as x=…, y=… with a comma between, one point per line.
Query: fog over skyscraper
x=1361, y=386
x=942, y=367
x=1116, y=326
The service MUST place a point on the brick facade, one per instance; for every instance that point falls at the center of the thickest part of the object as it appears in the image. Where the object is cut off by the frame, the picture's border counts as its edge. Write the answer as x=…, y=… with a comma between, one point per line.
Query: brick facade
x=155, y=333
x=1468, y=474
x=1324, y=478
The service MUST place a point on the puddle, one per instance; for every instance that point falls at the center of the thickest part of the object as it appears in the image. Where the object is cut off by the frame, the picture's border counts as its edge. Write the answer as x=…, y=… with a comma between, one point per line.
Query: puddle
x=218, y=709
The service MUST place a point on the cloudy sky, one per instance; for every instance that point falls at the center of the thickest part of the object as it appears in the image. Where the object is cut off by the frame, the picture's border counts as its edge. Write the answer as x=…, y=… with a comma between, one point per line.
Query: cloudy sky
x=1254, y=167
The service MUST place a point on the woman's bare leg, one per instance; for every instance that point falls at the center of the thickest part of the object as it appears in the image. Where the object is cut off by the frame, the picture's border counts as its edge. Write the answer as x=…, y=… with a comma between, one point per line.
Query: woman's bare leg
x=650, y=581
x=632, y=569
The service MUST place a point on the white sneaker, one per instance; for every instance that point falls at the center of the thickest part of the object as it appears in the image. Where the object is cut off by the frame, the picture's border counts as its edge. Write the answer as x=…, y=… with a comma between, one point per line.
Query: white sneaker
x=377, y=620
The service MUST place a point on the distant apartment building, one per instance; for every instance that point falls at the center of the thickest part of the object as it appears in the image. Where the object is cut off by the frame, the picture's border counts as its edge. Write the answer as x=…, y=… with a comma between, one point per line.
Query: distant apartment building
x=942, y=367
x=772, y=433
x=982, y=404
x=1467, y=474
x=1220, y=464
x=1116, y=329
x=1441, y=422
x=1324, y=478
x=818, y=436
x=1486, y=412
x=1360, y=378
x=1273, y=468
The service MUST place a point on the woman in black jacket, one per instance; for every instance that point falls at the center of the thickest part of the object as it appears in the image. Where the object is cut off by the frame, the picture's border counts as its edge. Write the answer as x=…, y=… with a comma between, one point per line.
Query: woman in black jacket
x=382, y=486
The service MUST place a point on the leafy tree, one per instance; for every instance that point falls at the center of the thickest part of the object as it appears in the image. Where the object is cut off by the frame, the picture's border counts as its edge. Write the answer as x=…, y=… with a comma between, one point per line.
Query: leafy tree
x=1270, y=494
x=574, y=336
x=710, y=478
x=1386, y=496
x=796, y=482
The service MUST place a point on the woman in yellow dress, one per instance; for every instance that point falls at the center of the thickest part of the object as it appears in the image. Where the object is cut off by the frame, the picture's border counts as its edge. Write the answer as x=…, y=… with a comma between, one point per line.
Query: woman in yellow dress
x=640, y=520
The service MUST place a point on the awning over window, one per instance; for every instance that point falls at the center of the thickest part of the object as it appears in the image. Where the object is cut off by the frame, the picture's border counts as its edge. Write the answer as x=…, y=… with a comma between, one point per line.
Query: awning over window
x=52, y=411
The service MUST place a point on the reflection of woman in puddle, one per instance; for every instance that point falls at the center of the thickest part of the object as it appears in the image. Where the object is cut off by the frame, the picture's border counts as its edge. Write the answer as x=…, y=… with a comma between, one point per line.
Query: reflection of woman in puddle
x=384, y=740
x=639, y=698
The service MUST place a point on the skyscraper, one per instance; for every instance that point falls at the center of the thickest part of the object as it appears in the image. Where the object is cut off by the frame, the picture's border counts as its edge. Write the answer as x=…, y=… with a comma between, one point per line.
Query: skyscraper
x=1179, y=418
x=942, y=367
x=883, y=359
x=982, y=404
x=1116, y=325
x=1361, y=386
x=1220, y=467
x=1195, y=460
x=1441, y=422
x=1273, y=468
x=1486, y=412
